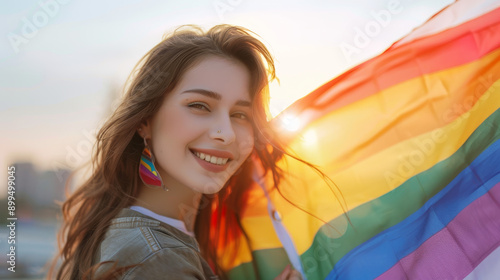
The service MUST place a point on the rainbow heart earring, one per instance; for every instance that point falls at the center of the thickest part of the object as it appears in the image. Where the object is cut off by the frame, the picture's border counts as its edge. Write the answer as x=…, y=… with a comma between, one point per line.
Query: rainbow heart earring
x=147, y=170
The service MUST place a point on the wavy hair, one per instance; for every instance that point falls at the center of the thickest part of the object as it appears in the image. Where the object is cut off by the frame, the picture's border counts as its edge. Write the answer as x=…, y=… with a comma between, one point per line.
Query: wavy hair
x=114, y=181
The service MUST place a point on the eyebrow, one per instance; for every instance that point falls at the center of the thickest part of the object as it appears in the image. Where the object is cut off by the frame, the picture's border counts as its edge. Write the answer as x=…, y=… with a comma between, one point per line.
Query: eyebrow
x=215, y=96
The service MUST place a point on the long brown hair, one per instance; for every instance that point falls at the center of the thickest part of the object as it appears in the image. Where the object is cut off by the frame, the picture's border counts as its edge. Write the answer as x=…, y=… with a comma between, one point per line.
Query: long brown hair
x=114, y=181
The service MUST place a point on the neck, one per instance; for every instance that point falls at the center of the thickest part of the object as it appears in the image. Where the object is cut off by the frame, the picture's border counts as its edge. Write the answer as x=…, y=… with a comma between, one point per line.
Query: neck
x=178, y=203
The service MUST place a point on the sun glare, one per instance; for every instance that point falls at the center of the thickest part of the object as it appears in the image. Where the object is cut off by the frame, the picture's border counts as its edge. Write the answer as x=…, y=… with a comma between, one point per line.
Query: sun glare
x=310, y=137
x=290, y=122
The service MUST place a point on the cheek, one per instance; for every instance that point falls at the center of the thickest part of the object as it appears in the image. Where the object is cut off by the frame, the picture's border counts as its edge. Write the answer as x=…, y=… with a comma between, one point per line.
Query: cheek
x=177, y=124
x=246, y=141
x=171, y=132
x=172, y=118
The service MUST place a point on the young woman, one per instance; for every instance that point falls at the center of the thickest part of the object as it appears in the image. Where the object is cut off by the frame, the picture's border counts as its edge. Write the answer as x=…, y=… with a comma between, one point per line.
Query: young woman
x=173, y=163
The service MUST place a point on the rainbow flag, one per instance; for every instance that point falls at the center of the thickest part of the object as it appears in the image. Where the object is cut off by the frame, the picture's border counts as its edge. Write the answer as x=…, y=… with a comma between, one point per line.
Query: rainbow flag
x=410, y=140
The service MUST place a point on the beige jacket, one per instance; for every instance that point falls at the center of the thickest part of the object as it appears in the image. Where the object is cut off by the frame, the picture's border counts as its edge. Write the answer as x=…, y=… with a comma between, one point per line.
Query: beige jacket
x=162, y=251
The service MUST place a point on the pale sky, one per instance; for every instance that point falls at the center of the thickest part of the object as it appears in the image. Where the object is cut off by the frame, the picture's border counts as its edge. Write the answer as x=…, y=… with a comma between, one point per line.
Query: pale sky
x=61, y=61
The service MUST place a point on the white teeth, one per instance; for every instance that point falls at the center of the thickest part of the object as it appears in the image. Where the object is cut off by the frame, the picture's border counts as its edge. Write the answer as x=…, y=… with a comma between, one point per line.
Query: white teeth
x=212, y=159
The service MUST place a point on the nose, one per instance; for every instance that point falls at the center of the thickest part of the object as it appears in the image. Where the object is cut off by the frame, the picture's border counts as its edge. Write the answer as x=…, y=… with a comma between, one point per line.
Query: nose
x=223, y=131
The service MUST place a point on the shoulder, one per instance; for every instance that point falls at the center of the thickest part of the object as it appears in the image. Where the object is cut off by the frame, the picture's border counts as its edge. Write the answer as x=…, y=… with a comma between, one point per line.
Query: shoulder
x=171, y=263
x=120, y=243
x=130, y=224
x=152, y=253
x=154, y=250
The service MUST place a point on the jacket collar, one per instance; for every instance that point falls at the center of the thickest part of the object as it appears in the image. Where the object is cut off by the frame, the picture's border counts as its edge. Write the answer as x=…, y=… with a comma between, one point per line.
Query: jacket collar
x=128, y=218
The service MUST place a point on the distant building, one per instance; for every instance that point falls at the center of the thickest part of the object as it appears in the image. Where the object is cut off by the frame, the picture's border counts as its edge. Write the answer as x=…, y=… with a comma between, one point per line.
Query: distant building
x=38, y=191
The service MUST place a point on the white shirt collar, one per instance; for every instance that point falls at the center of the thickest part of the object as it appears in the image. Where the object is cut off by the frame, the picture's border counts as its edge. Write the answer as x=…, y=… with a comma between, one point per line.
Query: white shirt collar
x=178, y=224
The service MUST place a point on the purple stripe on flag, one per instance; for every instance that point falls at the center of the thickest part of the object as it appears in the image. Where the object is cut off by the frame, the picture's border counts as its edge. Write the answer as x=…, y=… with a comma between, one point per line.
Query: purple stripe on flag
x=458, y=248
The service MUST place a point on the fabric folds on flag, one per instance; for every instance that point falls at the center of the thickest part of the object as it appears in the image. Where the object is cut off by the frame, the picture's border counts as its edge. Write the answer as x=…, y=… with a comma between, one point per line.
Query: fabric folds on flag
x=411, y=141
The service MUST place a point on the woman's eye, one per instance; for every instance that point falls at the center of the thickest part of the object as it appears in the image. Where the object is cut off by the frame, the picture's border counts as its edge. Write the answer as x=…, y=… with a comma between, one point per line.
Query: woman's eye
x=198, y=105
x=242, y=116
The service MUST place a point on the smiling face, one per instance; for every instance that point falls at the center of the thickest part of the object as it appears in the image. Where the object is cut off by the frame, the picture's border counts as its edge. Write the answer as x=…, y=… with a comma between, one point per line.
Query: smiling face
x=203, y=131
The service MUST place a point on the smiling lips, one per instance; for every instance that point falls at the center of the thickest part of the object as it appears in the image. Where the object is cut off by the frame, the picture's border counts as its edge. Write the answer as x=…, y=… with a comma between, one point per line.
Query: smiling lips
x=212, y=160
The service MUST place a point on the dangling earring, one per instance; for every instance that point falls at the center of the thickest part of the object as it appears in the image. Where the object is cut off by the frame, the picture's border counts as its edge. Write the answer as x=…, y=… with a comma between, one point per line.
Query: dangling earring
x=147, y=170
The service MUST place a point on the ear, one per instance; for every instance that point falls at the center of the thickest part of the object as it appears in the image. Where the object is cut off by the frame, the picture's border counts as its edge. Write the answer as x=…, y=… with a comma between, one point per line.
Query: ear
x=144, y=129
